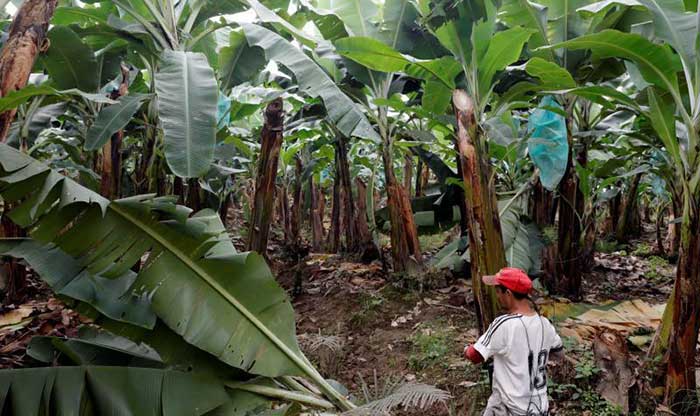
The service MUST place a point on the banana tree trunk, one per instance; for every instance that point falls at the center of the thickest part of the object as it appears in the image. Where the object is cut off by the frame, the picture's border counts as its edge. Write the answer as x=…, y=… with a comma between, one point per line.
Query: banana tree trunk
x=419, y=179
x=660, y=215
x=405, y=248
x=589, y=237
x=111, y=166
x=110, y=186
x=461, y=204
x=486, y=251
x=543, y=211
x=333, y=241
x=179, y=190
x=408, y=173
x=194, y=194
x=366, y=248
x=264, y=200
x=625, y=223
x=674, y=234
x=27, y=38
x=682, y=343
x=347, y=211
x=297, y=202
x=283, y=214
x=614, y=210
x=317, y=208
x=568, y=267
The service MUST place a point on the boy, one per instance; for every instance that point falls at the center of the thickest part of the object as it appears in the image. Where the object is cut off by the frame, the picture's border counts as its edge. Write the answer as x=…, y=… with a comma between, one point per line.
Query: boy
x=520, y=343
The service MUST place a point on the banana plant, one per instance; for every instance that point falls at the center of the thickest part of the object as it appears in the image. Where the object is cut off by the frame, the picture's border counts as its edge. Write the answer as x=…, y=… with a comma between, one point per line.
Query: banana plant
x=174, y=43
x=193, y=277
x=673, y=111
x=561, y=70
x=482, y=51
x=379, y=37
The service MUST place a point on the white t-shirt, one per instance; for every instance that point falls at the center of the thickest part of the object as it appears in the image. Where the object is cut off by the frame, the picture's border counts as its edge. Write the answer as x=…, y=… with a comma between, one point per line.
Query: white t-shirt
x=519, y=370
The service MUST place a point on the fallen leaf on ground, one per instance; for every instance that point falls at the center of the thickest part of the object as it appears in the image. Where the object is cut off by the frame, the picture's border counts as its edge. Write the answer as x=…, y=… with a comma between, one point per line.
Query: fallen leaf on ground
x=15, y=316
x=624, y=317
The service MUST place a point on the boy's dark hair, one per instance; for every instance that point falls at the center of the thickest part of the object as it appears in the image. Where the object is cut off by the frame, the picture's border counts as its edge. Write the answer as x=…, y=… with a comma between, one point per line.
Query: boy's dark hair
x=516, y=295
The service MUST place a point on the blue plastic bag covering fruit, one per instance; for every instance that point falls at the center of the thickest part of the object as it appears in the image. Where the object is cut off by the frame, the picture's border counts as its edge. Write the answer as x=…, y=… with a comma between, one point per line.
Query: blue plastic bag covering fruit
x=223, y=111
x=548, y=145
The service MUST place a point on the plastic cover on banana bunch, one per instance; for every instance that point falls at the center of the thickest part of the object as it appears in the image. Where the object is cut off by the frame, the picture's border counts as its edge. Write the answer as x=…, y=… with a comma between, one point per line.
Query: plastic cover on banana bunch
x=548, y=145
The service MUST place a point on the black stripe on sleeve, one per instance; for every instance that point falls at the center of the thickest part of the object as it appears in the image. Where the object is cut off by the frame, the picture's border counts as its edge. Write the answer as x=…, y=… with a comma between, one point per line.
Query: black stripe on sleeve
x=495, y=323
x=496, y=326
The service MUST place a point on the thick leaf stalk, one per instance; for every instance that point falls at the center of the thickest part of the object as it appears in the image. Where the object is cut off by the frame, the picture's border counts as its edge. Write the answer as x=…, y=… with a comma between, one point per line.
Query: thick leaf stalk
x=486, y=249
x=568, y=265
x=682, y=342
x=264, y=200
x=26, y=39
x=405, y=248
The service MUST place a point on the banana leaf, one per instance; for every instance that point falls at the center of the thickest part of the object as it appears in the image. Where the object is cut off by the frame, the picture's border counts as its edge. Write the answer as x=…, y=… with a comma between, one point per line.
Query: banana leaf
x=313, y=81
x=67, y=277
x=223, y=302
x=89, y=390
x=433, y=213
x=521, y=239
x=93, y=347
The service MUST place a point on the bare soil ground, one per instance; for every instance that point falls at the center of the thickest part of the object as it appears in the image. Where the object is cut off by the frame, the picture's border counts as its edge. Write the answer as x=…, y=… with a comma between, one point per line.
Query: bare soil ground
x=371, y=331
x=356, y=321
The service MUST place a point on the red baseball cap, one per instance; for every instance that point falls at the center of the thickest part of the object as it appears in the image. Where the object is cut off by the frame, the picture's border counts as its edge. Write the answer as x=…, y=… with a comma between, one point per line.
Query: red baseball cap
x=509, y=277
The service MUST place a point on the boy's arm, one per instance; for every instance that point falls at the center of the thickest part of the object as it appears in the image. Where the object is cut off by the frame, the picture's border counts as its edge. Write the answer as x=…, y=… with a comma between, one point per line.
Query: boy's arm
x=471, y=354
x=557, y=354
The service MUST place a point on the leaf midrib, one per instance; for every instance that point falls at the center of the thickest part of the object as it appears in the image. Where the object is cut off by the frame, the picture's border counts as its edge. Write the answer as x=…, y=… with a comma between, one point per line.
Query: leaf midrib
x=398, y=24
x=192, y=265
x=669, y=23
x=665, y=79
x=236, y=58
x=188, y=121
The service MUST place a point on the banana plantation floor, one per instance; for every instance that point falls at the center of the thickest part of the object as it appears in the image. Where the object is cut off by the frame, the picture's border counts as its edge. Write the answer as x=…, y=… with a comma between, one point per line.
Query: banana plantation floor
x=369, y=331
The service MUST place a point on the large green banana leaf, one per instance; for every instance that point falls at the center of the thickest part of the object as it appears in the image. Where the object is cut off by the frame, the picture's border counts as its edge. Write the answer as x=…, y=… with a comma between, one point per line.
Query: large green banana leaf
x=239, y=62
x=66, y=276
x=187, y=98
x=70, y=62
x=223, y=302
x=313, y=81
x=93, y=347
x=112, y=119
x=521, y=239
x=677, y=27
x=657, y=63
x=90, y=390
x=360, y=17
x=565, y=23
x=16, y=98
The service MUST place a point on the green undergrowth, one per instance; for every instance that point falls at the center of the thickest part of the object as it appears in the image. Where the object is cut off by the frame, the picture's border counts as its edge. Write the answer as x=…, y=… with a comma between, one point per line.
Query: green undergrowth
x=370, y=309
x=430, y=346
x=608, y=246
x=432, y=242
x=660, y=271
x=574, y=392
x=643, y=250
